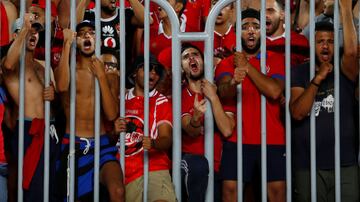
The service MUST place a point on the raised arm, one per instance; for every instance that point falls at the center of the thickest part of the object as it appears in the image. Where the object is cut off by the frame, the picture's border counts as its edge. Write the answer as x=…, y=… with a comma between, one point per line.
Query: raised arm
x=138, y=18
x=80, y=10
x=13, y=55
x=62, y=72
x=350, y=64
x=192, y=123
x=301, y=100
x=107, y=99
x=225, y=122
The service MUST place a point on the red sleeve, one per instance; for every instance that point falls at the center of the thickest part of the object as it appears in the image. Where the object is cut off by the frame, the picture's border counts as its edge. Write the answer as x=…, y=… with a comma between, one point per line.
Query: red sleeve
x=163, y=111
x=225, y=67
x=277, y=66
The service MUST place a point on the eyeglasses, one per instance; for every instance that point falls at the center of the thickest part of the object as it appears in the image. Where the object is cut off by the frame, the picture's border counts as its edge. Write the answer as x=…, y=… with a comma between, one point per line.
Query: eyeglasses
x=83, y=33
x=111, y=64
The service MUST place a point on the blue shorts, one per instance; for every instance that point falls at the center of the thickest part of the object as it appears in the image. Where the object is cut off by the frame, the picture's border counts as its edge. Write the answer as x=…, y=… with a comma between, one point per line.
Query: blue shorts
x=276, y=162
x=84, y=162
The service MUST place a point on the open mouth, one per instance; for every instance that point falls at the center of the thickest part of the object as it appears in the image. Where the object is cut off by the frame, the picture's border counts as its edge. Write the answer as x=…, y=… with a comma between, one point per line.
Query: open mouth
x=32, y=41
x=268, y=24
x=251, y=41
x=87, y=44
x=325, y=55
x=194, y=67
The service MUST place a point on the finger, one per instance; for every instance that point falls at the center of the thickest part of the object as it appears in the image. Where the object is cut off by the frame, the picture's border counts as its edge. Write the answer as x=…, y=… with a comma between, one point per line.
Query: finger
x=202, y=102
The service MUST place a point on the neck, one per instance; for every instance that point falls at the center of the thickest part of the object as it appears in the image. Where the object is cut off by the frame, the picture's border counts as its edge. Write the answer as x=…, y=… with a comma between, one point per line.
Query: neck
x=222, y=28
x=280, y=31
x=195, y=85
x=253, y=55
x=83, y=62
x=105, y=15
x=29, y=56
x=138, y=91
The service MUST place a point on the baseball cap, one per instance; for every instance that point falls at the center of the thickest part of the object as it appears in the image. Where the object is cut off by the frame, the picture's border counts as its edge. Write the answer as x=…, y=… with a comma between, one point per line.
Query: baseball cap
x=139, y=62
x=85, y=23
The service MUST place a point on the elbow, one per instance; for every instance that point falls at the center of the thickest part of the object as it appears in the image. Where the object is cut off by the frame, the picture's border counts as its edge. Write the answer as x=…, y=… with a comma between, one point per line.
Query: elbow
x=275, y=93
x=228, y=131
x=62, y=88
x=8, y=65
x=296, y=114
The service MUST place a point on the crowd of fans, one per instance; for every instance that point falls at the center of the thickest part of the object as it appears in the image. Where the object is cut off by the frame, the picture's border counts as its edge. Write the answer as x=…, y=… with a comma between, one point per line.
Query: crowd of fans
x=231, y=68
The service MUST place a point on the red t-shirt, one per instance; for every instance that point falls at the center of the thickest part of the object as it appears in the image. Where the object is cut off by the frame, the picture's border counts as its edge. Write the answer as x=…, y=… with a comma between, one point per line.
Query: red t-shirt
x=251, y=101
x=4, y=27
x=299, y=47
x=224, y=44
x=195, y=145
x=160, y=113
x=195, y=10
x=160, y=41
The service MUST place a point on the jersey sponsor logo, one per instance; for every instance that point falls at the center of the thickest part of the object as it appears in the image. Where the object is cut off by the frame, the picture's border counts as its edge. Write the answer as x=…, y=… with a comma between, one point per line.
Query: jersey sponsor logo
x=134, y=135
x=108, y=30
x=110, y=42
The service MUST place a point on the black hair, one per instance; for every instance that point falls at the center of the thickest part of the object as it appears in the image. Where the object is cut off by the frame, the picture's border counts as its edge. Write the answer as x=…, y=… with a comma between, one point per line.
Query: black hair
x=186, y=46
x=324, y=26
x=281, y=4
x=250, y=13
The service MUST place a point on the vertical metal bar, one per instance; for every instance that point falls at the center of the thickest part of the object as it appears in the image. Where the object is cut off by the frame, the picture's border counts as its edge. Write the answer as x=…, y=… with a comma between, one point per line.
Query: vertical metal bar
x=263, y=106
x=47, y=103
x=21, y=111
x=312, y=116
x=122, y=82
x=146, y=95
x=287, y=94
x=239, y=110
x=97, y=104
x=209, y=75
x=176, y=101
x=337, y=102
x=71, y=157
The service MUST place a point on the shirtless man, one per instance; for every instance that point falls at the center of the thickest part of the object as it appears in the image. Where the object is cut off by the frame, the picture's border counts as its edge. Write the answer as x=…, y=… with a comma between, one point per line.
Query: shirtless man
x=87, y=69
x=35, y=95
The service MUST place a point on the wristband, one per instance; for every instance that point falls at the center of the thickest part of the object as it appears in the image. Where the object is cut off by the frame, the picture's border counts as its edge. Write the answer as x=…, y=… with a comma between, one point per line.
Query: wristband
x=315, y=84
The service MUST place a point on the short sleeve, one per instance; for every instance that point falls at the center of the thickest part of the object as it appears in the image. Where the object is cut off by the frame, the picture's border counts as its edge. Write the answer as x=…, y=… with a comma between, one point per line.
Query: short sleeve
x=225, y=68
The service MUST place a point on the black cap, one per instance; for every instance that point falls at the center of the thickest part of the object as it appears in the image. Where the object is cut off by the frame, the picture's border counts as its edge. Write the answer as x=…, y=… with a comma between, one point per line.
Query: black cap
x=85, y=23
x=139, y=62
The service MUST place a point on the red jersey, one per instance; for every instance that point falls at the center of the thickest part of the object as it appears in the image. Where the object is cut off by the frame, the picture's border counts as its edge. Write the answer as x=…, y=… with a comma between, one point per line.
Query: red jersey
x=224, y=44
x=251, y=103
x=160, y=113
x=195, y=11
x=299, y=47
x=195, y=145
x=4, y=27
x=160, y=41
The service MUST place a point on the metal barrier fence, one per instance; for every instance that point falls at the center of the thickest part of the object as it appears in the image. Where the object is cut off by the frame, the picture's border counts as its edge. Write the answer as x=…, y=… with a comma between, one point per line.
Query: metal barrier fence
x=178, y=37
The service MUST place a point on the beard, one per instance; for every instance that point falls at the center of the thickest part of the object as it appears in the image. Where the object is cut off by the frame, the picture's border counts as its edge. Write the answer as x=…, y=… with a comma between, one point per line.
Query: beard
x=274, y=27
x=250, y=50
x=108, y=10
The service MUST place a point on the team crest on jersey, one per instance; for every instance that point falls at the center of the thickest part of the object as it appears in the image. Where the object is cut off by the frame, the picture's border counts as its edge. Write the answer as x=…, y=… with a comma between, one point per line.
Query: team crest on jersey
x=134, y=135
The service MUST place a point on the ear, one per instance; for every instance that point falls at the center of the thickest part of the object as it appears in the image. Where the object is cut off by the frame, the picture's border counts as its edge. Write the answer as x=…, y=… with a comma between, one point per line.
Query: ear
x=178, y=7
